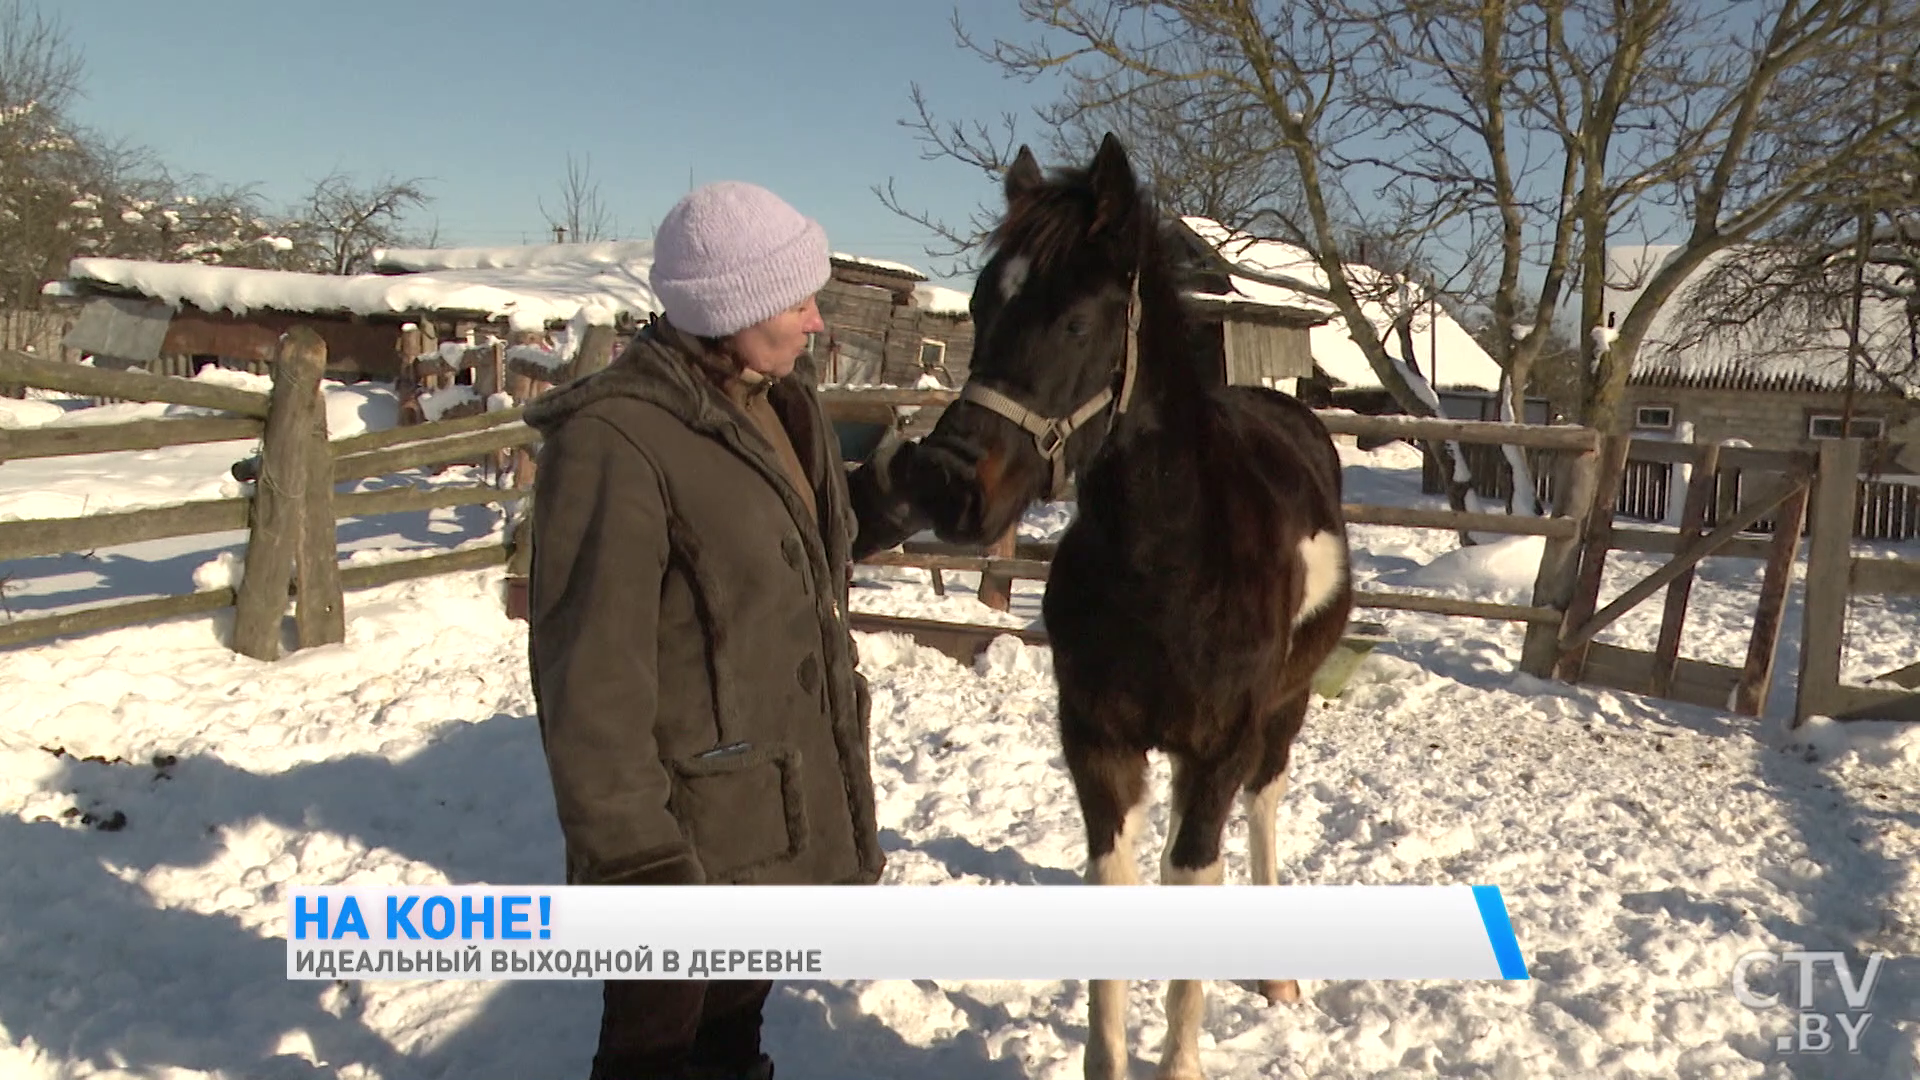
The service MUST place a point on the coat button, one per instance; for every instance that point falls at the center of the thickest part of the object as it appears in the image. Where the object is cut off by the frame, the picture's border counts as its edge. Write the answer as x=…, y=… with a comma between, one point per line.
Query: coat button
x=809, y=673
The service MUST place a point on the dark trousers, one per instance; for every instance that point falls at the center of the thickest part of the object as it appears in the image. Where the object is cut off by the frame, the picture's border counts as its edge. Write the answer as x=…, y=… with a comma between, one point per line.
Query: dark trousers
x=651, y=1028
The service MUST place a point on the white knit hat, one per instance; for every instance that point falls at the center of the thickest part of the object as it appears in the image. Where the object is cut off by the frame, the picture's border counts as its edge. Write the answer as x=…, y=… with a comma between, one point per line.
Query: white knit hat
x=731, y=254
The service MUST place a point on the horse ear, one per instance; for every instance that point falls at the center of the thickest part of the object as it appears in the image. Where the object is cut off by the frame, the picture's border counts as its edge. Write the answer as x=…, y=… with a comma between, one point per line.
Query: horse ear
x=1113, y=184
x=1023, y=175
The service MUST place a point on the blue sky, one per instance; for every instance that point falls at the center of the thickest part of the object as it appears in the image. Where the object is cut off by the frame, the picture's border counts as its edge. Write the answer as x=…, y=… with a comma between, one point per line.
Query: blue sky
x=485, y=99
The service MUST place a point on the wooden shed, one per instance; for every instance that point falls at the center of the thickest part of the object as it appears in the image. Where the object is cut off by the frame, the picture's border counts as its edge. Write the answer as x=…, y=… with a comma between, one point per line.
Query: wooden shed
x=886, y=326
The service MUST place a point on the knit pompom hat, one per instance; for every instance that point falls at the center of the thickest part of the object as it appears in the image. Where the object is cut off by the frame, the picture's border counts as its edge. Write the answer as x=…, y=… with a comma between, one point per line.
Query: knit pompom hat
x=731, y=254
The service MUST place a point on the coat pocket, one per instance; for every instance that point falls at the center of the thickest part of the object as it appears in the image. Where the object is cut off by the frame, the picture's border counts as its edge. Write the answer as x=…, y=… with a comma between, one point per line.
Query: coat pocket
x=742, y=807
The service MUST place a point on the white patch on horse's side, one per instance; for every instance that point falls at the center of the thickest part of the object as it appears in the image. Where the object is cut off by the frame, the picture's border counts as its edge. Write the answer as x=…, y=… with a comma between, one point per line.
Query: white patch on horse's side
x=1013, y=275
x=1324, y=558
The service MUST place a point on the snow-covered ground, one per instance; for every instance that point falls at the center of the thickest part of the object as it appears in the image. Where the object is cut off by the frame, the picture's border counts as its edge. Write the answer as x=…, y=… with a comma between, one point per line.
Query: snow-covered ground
x=158, y=793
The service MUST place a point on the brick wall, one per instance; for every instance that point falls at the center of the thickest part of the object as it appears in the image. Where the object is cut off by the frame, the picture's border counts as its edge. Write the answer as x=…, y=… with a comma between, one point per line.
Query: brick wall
x=1778, y=420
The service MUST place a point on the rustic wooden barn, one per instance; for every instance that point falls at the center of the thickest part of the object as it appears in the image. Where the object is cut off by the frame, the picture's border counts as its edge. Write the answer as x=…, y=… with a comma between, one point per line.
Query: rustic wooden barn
x=886, y=326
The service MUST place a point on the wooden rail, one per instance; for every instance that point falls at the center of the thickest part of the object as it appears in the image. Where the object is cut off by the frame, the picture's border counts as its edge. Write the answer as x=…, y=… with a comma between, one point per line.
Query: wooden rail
x=22, y=369
x=427, y=432
x=49, y=442
x=51, y=536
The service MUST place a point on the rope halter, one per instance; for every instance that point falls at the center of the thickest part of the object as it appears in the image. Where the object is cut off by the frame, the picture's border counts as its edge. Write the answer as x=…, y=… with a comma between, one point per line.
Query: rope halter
x=1050, y=434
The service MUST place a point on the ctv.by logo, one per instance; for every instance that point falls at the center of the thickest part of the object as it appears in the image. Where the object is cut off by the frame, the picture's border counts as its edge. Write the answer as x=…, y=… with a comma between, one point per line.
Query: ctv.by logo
x=1813, y=1032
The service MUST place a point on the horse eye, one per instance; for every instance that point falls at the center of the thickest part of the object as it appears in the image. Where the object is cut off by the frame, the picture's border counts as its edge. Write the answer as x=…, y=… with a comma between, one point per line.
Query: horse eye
x=1077, y=327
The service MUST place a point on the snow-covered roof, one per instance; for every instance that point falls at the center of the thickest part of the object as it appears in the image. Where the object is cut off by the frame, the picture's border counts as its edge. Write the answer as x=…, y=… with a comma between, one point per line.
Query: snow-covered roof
x=941, y=300
x=531, y=287
x=1443, y=350
x=597, y=253
x=1754, y=356
x=881, y=264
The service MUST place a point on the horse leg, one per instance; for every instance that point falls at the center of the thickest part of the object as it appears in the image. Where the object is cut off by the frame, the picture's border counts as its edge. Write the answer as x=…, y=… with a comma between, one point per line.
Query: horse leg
x=1262, y=801
x=1112, y=786
x=1202, y=796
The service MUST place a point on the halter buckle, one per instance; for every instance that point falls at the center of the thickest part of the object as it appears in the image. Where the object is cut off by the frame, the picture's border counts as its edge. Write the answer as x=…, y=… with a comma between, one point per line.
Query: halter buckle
x=1051, y=439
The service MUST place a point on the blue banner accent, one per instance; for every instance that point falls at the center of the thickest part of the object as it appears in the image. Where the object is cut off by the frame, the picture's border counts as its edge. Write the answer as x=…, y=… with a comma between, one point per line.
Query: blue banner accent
x=1506, y=947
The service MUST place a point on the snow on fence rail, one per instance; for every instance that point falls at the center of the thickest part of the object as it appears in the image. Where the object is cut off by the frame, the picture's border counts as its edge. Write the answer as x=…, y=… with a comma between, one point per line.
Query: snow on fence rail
x=292, y=544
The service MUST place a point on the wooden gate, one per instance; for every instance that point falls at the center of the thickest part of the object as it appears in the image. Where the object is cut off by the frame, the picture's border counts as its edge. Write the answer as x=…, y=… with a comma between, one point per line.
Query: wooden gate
x=1778, y=485
x=1834, y=576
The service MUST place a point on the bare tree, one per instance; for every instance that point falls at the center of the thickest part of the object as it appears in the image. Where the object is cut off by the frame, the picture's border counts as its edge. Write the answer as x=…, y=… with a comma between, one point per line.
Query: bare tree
x=1505, y=143
x=342, y=222
x=43, y=159
x=581, y=214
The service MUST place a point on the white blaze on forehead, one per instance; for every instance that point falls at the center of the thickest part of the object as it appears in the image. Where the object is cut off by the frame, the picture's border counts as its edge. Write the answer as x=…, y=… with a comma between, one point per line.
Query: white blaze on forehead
x=1323, y=557
x=1013, y=275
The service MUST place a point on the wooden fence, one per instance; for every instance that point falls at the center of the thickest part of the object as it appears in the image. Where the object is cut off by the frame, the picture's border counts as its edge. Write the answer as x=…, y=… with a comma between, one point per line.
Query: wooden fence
x=292, y=513
x=1000, y=563
x=1883, y=509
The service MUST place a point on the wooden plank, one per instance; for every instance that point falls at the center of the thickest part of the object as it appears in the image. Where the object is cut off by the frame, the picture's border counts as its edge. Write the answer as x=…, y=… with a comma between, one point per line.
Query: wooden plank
x=1884, y=577
x=274, y=539
x=1696, y=682
x=53, y=536
x=1861, y=703
x=1908, y=676
x=21, y=369
x=1829, y=566
x=414, y=433
x=49, y=442
x=435, y=452
x=1673, y=615
x=1446, y=605
x=1023, y=569
x=1743, y=458
x=112, y=616
x=1534, y=436
x=1660, y=542
x=1454, y=520
x=1596, y=538
x=477, y=558
x=1756, y=678
x=1037, y=550
x=1688, y=557
x=1412, y=428
x=1557, y=577
x=962, y=641
x=408, y=499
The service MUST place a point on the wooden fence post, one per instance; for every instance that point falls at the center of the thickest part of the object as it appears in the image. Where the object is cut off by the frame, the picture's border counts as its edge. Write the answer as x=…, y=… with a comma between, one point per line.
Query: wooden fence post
x=996, y=590
x=1756, y=678
x=1673, y=614
x=276, y=537
x=1553, y=586
x=1595, y=540
x=319, y=612
x=1829, y=578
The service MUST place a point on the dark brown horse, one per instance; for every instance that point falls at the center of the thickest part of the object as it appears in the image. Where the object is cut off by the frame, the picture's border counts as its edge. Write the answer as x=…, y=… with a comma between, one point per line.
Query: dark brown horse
x=1204, y=577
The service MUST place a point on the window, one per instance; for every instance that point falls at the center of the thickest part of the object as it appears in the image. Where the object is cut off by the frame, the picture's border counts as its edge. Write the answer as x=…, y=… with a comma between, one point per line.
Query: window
x=1827, y=426
x=932, y=354
x=1653, y=417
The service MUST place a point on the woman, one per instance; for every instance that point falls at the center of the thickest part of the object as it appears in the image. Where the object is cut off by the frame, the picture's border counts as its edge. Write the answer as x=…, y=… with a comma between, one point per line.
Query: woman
x=701, y=716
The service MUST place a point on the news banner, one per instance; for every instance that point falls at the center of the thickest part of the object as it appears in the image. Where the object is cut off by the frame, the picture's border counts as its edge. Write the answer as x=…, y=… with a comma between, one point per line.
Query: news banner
x=1023, y=932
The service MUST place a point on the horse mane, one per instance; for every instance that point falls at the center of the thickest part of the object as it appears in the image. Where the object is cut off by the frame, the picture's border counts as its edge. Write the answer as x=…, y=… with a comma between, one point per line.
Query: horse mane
x=1053, y=224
